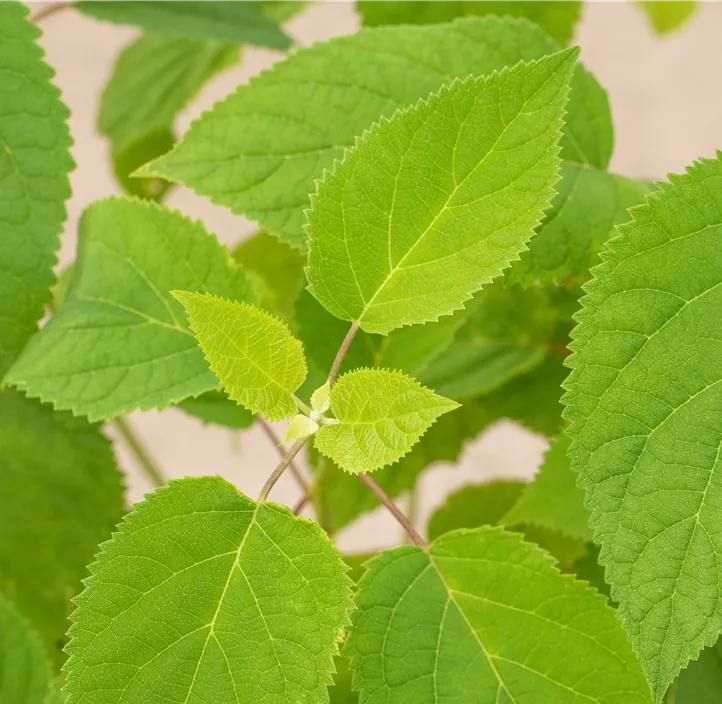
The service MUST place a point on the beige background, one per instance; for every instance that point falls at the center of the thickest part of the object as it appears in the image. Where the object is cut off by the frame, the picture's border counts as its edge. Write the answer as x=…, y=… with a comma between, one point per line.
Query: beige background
x=665, y=97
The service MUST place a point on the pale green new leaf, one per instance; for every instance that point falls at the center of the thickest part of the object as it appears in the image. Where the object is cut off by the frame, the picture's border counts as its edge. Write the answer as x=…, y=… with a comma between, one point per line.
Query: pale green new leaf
x=557, y=19
x=206, y=596
x=483, y=616
x=507, y=332
x=381, y=415
x=34, y=166
x=62, y=496
x=216, y=408
x=701, y=682
x=257, y=359
x=645, y=405
x=666, y=16
x=476, y=505
x=120, y=341
x=24, y=667
x=237, y=22
x=433, y=204
x=553, y=499
x=531, y=399
x=267, y=161
x=588, y=204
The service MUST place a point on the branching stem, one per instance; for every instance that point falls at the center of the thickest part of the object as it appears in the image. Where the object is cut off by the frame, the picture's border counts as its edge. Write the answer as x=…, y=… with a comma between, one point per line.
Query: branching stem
x=336, y=366
x=49, y=9
x=285, y=461
x=395, y=511
x=297, y=475
x=140, y=452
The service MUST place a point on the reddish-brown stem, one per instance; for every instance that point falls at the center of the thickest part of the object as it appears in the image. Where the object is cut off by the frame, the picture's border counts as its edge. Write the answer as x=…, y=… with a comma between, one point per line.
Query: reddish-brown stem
x=271, y=435
x=336, y=366
x=49, y=9
x=300, y=505
x=395, y=511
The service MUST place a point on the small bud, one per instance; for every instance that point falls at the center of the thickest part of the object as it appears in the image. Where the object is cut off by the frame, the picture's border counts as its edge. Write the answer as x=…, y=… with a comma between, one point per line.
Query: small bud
x=300, y=426
x=321, y=398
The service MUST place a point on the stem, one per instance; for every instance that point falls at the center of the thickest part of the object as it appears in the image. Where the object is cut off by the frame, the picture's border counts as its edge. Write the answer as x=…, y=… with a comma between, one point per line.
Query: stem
x=412, y=507
x=136, y=446
x=276, y=475
x=297, y=475
x=49, y=9
x=391, y=506
x=336, y=366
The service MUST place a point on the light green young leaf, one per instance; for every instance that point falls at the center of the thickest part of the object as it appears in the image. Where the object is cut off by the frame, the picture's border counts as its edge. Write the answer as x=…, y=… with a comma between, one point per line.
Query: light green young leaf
x=666, y=16
x=507, y=332
x=237, y=22
x=557, y=19
x=465, y=178
x=204, y=595
x=553, y=499
x=278, y=271
x=120, y=340
x=476, y=505
x=588, y=204
x=259, y=363
x=531, y=399
x=381, y=415
x=701, y=682
x=484, y=616
x=321, y=398
x=266, y=164
x=645, y=405
x=300, y=426
x=34, y=166
x=216, y=408
x=63, y=495
x=24, y=667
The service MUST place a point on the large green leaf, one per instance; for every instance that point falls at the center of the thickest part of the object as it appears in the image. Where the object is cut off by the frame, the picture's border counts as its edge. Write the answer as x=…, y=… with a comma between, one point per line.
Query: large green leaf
x=205, y=596
x=556, y=18
x=531, y=399
x=465, y=178
x=645, y=405
x=63, y=495
x=588, y=204
x=266, y=163
x=507, y=332
x=259, y=363
x=666, y=16
x=553, y=500
x=120, y=341
x=24, y=667
x=380, y=416
x=237, y=22
x=484, y=617
x=34, y=166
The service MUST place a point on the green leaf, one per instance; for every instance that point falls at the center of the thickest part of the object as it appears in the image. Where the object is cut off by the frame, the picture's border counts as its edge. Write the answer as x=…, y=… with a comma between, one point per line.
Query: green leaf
x=259, y=363
x=645, y=405
x=476, y=505
x=556, y=18
x=484, y=616
x=437, y=226
x=553, y=499
x=129, y=158
x=531, y=399
x=216, y=408
x=34, y=166
x=266, y=164
x=300, y=426
x=507, y=332
x=280, y=270
x=55, y=694
x=63, y=495
x=588, y=204
x=24, y=667
x=235, y=601
x=666, y=16
x=237, y=22
x=381, y=415
x=120, y=340
x=701, y=682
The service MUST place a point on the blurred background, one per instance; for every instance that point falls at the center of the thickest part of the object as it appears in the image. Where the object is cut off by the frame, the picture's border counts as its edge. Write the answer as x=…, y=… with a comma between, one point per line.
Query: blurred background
x=667, y=110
